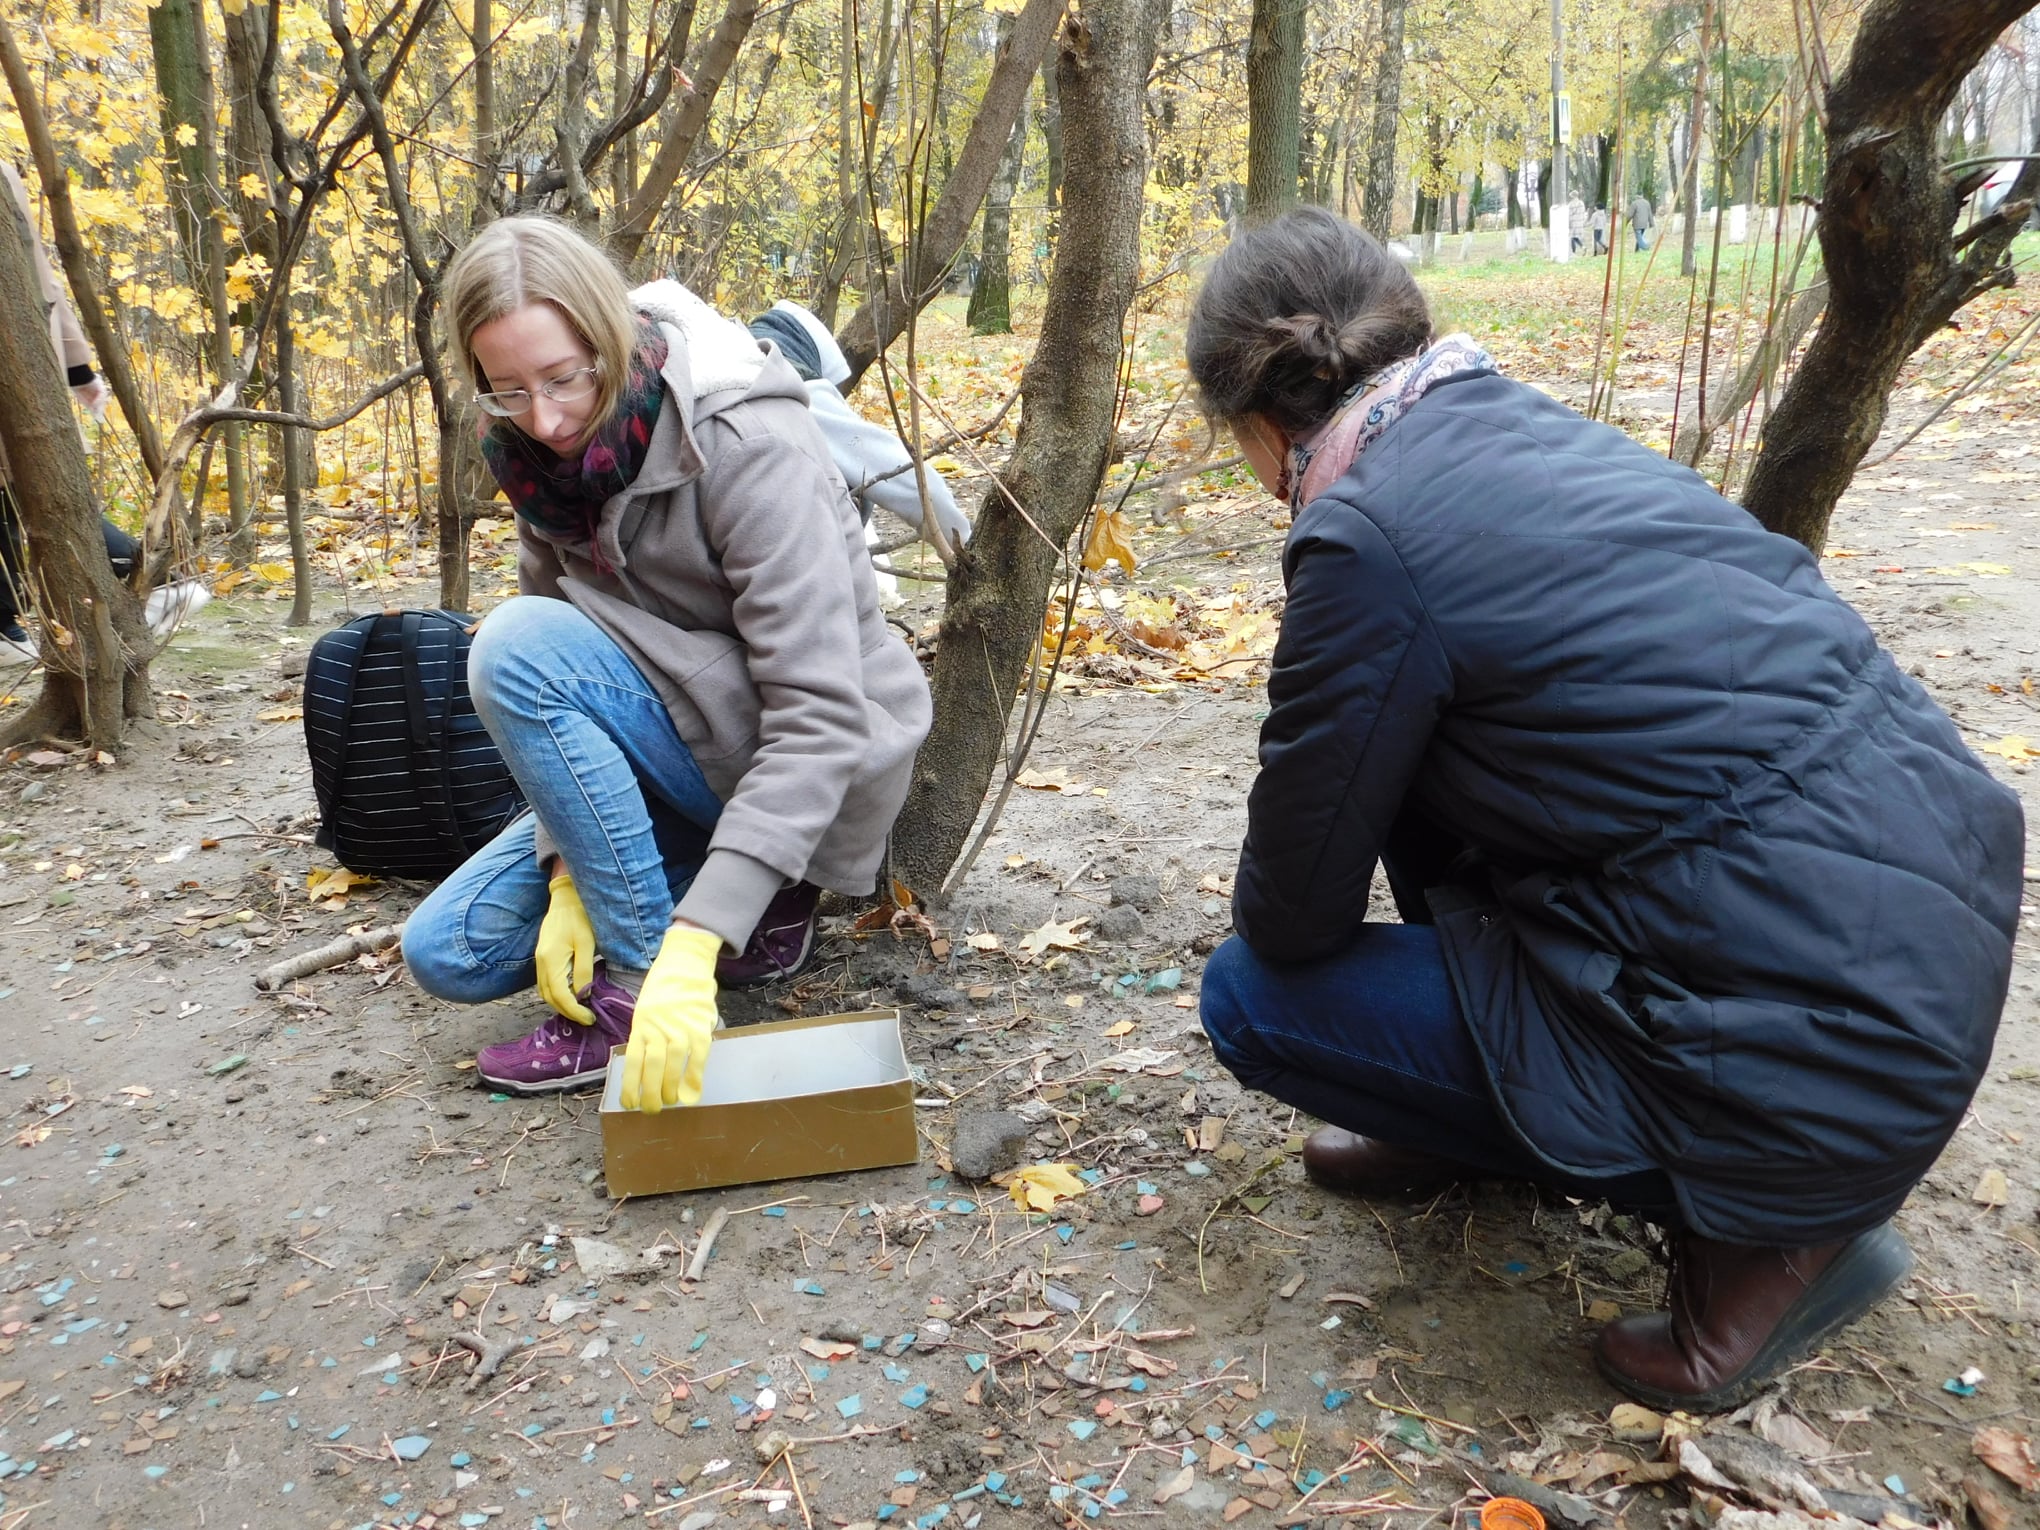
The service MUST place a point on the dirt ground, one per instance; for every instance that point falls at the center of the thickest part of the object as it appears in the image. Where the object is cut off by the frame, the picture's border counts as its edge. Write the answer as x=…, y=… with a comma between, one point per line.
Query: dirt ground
x=242, y=1231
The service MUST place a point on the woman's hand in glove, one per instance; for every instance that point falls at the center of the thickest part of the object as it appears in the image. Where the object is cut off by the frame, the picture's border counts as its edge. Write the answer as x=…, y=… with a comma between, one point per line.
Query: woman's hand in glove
x=673, y=1024
x=566, y=951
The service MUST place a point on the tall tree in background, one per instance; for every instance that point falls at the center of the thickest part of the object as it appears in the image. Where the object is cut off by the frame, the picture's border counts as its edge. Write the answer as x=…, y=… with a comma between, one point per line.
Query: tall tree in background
x=1696, y=134
x=1896, y=268
x=910, y=285
x=1378, y=209
x=991, y=298
x=1274, y=106
x=1068, y=401
x=92, y=623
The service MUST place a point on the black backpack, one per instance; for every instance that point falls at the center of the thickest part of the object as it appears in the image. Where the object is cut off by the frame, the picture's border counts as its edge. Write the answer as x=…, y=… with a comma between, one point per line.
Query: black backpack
x=408, y=781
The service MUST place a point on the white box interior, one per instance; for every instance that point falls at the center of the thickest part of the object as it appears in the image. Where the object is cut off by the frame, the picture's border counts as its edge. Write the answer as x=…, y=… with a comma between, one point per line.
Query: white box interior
x=748, y=1066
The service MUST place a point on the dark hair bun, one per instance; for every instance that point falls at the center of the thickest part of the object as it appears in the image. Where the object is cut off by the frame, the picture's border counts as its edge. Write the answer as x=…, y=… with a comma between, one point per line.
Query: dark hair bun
x=1294, y=313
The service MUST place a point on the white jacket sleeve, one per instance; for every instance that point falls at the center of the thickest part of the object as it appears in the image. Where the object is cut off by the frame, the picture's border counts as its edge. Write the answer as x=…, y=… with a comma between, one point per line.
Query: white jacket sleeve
x=875, y=464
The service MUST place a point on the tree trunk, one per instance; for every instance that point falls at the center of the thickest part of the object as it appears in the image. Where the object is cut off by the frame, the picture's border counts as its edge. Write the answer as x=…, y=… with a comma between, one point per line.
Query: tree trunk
x=1742, y=184
x=991, y=305
x=293, y=454
x=1515, y=215
x=1051, y=147
x=487, y=154
x=173, y=40
x=1696, y=131
x=211, y=206
x=634, y=223
x=106, y=345
x=1894, y=273
x=91, y=622
x=1274, y=106
x=999, y=589
x=1544, y=193
x=1377, y=207
x=884, y=316
x=623, y=158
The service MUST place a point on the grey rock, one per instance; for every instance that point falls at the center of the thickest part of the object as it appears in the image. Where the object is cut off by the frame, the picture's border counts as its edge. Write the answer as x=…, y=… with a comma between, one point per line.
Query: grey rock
x=1120, y=922
x=986, y=1141
x=1143, y=893
x=700, y=1519
x=1628, y=1264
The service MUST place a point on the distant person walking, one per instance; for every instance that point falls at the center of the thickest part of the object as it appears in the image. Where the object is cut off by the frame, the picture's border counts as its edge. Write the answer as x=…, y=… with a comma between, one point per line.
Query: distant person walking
x=1641, y=217
x=1600, y=226
x=1576, y=222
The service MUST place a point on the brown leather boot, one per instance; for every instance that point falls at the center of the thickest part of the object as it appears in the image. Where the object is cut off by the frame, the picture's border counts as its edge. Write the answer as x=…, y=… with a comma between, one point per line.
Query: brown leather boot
x=1345, y=1161
x=1740, y=1316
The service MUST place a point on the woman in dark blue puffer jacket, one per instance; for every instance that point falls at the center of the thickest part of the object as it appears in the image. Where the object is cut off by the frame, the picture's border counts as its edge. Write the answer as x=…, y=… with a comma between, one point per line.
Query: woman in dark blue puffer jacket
x=1707, y=909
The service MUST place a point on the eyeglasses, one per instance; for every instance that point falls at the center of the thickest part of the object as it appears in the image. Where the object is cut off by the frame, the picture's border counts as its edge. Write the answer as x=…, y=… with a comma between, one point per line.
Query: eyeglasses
x=570, y=389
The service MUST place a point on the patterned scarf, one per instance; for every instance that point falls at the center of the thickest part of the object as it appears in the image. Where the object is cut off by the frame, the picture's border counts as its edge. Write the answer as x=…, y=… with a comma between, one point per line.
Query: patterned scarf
x=1370, y=406
x=563, y=496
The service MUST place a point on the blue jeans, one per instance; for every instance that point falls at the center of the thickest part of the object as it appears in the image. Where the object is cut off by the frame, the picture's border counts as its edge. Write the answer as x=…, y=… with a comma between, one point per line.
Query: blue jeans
x=596, y=754
x=1373, y=1040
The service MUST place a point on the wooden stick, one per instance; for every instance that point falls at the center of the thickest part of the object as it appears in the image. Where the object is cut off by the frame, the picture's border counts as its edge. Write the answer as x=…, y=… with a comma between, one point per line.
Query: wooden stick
x=710, y=1230
x=333, y=954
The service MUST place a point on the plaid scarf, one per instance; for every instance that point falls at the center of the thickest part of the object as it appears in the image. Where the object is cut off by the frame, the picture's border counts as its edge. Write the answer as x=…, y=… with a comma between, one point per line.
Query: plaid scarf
x=563, y=496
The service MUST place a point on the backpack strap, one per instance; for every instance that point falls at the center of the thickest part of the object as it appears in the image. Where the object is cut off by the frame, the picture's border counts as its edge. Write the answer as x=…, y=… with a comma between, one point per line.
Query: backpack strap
x=429, y=634
x=326, y=782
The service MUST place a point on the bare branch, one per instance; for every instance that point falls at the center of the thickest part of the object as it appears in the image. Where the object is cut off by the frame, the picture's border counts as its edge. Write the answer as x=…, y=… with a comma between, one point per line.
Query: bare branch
x=214, y=414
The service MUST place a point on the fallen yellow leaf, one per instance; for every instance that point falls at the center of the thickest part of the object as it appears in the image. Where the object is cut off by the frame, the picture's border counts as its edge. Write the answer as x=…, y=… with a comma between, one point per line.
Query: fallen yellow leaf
x=2013, y=746
x=1056, y=933
x=1039, y=1186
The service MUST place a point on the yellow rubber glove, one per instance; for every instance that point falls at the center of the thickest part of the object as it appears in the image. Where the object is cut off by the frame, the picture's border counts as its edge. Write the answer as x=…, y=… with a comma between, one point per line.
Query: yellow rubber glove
x=673, y=1024
x=566, y=951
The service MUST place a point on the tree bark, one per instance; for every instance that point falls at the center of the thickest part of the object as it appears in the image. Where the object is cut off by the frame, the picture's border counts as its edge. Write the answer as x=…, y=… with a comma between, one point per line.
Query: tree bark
x=1051, y=147
x=1696, y=131
x=991, y=301
x=1895, y=274
x=999, y=589
x=211, y=207
x=94, y=645
x=173, y=40
x=487, y=153
x=107, y=347
x=1274, y=106
x=910, y=285
x=1377, y=206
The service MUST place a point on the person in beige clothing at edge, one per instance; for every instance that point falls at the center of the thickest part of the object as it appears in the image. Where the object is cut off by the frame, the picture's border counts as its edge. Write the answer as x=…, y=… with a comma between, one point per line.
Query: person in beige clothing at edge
x=17, y=647
x=694, y=685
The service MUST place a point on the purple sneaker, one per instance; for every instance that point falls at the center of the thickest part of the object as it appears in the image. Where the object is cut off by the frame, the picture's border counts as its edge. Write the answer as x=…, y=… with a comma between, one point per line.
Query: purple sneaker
x=782, y=943
x=562, y=1054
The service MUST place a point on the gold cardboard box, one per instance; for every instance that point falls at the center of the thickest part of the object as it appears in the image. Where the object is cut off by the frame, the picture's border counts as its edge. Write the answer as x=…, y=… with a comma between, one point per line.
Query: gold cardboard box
x=780, y=1101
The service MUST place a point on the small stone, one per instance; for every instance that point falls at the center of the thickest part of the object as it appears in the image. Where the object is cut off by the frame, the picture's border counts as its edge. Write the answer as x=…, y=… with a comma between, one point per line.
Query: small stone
x=986, y=1141
x=1119, y=923
x=1143, y=893
x=1628, y=1264
x=172, y=1299
x=700, y=1519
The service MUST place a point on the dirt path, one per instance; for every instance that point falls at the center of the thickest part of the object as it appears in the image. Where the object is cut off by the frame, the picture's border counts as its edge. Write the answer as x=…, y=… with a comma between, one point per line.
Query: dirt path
x=242, y=1232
